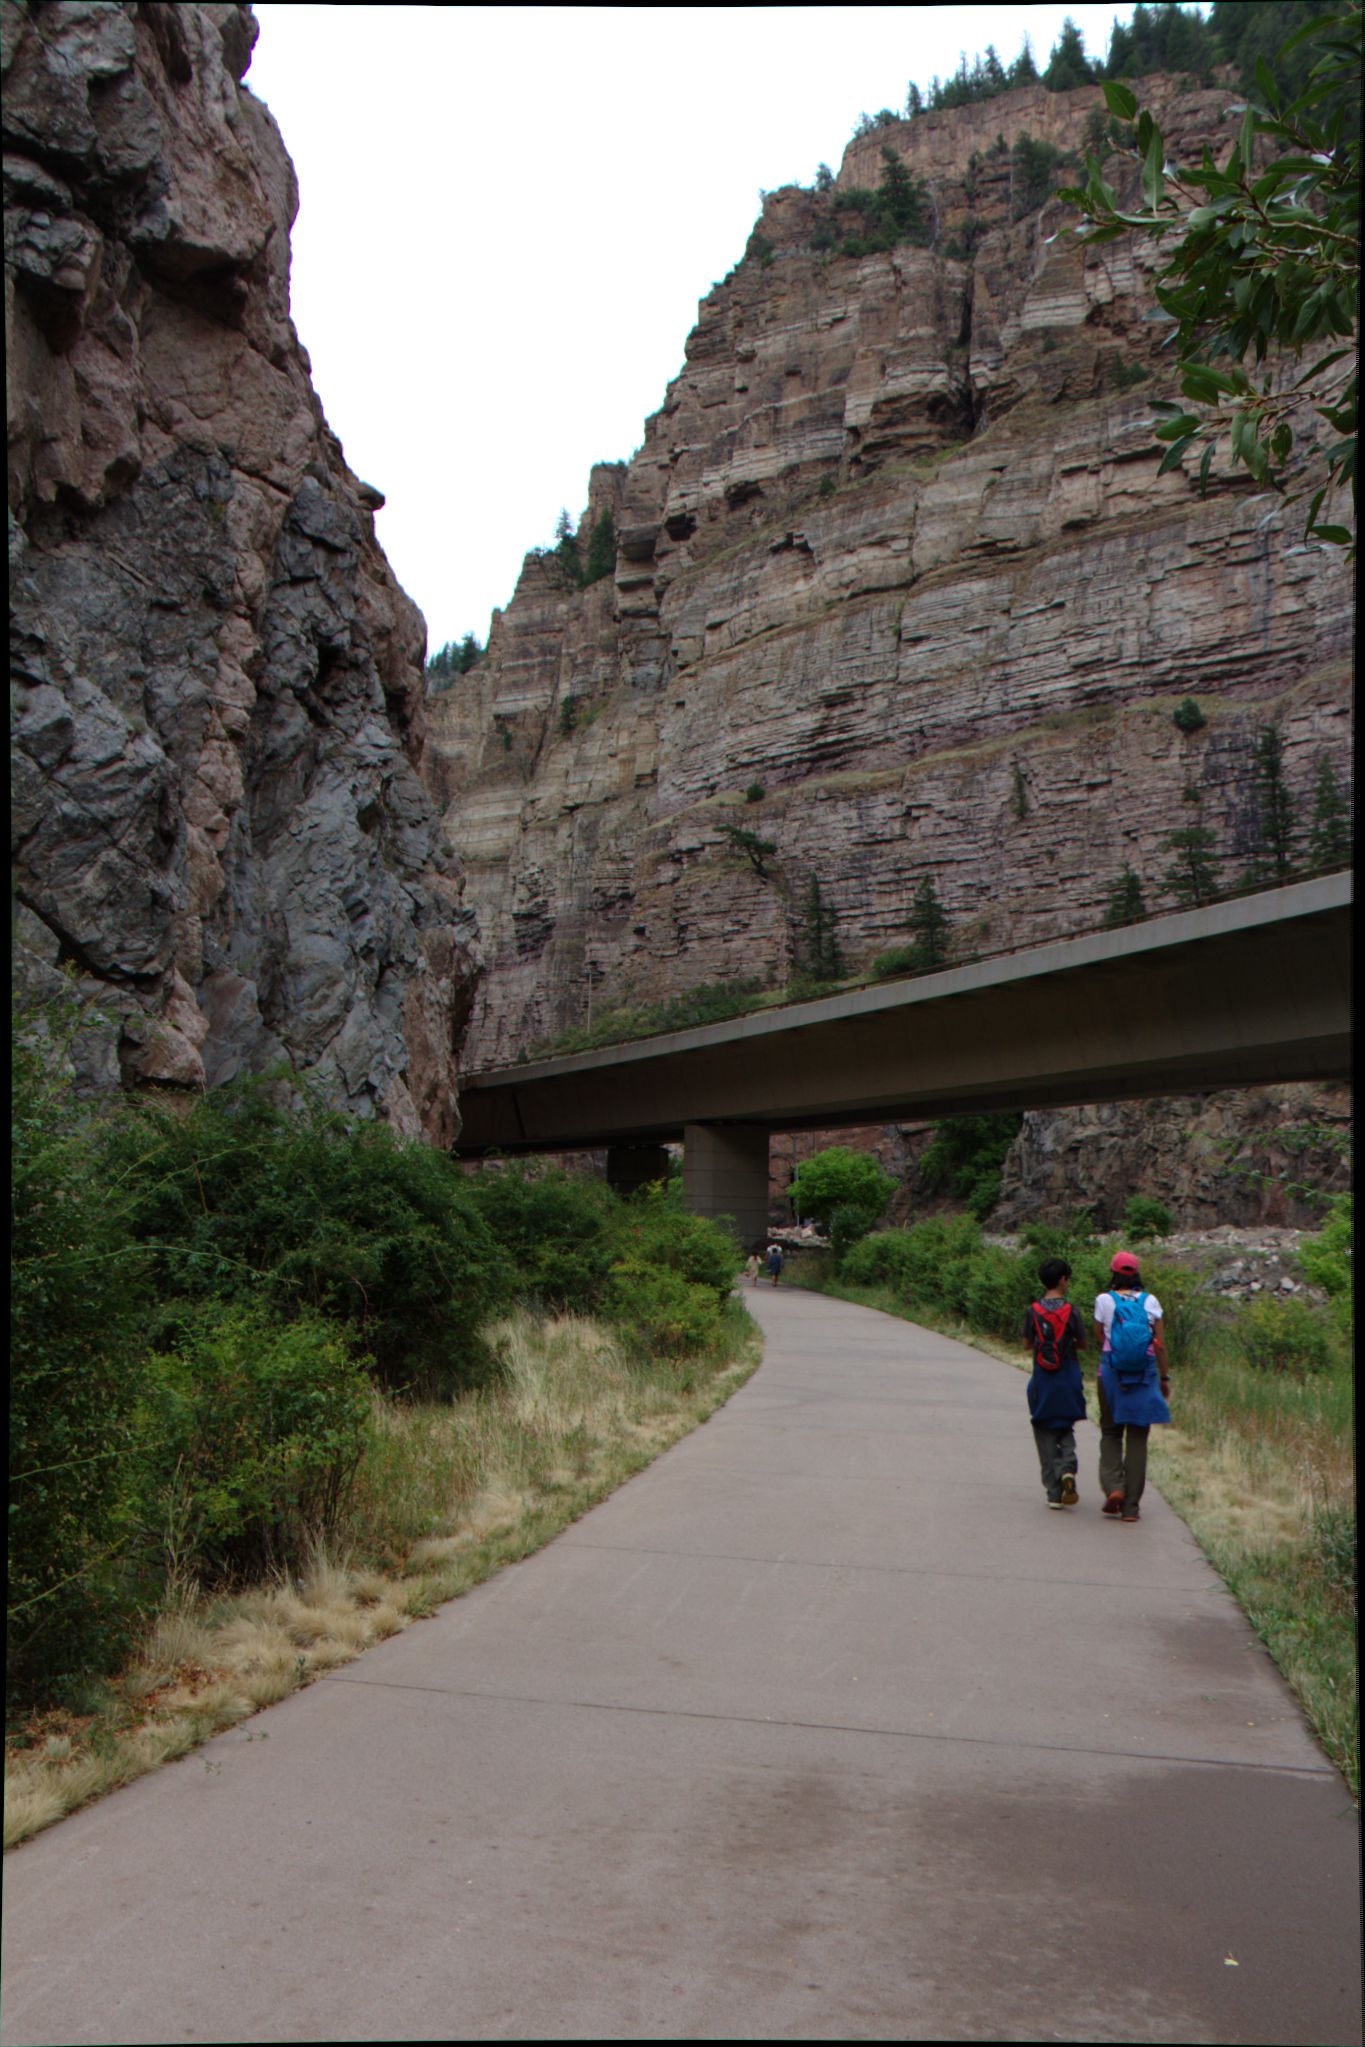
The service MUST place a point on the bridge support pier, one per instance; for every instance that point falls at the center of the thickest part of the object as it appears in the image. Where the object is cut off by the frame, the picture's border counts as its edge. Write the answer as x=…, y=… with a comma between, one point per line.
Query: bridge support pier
x=631, y=1166
x=725, y=1172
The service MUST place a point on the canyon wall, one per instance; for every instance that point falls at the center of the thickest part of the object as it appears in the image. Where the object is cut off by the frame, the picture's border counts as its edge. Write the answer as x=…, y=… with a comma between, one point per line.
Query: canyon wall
x=900, y=593
x=220, y=825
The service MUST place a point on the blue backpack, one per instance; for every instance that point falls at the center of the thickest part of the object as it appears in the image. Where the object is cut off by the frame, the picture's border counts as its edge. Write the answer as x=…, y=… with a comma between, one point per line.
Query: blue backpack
x=1130, y=1338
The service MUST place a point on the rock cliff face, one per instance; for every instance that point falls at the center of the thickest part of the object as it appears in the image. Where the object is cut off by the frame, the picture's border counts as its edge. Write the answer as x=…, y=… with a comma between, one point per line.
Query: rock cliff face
x=898, y=591
x=219, y=818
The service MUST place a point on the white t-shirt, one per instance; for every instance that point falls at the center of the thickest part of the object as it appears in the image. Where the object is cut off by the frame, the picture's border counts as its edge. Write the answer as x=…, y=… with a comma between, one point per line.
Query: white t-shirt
x=1104, y=1313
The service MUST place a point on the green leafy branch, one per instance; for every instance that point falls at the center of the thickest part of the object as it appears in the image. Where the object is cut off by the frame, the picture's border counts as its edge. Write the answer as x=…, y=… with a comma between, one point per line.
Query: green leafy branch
x=1266, y=263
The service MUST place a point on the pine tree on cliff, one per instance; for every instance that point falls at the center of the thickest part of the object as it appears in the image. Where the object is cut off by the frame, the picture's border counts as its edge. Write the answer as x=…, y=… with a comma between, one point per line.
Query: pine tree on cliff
x=1192, y=876
x=1275, y=823
x=1023, y=71
x=1329, y=840
x=1126, y=903
x=929, y=922
x=1068, y=66
x=821, y=958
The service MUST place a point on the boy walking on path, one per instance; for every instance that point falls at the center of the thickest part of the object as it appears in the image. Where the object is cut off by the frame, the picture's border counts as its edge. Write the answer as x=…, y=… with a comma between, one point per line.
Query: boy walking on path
x=1054, y=1332
x=1135, y=1378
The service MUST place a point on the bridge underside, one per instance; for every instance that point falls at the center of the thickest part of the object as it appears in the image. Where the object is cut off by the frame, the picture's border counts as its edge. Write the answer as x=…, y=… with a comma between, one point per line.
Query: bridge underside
x=1255, y=990
x=1240, y=993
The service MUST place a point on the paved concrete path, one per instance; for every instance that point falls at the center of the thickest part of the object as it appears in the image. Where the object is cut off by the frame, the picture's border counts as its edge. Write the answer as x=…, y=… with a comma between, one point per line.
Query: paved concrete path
x=821, y=1728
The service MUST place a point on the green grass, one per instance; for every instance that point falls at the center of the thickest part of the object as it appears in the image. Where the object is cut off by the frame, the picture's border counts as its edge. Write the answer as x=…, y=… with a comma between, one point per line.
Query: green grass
x=447, y=1494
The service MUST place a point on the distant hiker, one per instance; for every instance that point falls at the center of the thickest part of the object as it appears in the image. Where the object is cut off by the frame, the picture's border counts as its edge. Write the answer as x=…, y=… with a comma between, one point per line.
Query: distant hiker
x=753, y=1268
x=1054, y=1332
x=774, y=1261
x=1135, y=1378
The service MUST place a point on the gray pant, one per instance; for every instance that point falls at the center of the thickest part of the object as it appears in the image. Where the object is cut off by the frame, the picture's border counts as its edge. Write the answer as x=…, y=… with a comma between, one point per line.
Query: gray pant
x=1123, y=1463
x=1056, y=1454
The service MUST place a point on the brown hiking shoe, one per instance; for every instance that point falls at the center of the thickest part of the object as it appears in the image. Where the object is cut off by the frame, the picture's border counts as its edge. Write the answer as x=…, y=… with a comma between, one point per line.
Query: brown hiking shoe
x=1069, y=1493
x=1113, y=1505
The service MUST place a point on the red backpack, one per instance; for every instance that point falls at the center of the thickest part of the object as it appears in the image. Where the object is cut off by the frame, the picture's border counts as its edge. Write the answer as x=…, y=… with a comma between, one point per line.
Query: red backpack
x=1049, y=1334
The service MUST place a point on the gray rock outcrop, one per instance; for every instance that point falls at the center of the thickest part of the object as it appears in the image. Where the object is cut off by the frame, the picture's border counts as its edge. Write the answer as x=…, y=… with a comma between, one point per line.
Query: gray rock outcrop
x=218, y=727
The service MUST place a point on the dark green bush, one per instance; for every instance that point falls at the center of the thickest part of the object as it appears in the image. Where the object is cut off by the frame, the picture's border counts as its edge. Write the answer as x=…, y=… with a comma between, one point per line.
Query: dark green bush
x=931, y=1261
x=1145, y=1217
x=881, y=1259
x=898, y=959
x=966, y=1158
x=849, y=1224
x=1325, y=1258
x=350, y=1221
x=999, y=1289
x=656, y=1233
x=1062, y=1236
x=253, y=1430
x=1283, y=1336
x=558, y=1230
x=660, y=1313
x=78, y=1304
x=839, y=1178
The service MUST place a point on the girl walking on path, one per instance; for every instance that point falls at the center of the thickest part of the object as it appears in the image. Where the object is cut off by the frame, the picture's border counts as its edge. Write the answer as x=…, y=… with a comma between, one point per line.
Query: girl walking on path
x=1135, y=1378
x=1054, y=1332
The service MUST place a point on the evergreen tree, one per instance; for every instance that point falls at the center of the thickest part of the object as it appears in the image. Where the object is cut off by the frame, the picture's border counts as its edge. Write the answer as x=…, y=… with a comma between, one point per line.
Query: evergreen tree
x=1192, y=876
x=1329, y=840
x=898, y=198
x=1031, y=167
x=1023, y=71
x=821, y=958
x=914, y=102
x=1245, y=30
x=1126, y=904
x=1068, y=66
x=929, y=923
x=601, y=549
x=758, y=852
x=1273, y=859
x=452, y=660
x=566, y=547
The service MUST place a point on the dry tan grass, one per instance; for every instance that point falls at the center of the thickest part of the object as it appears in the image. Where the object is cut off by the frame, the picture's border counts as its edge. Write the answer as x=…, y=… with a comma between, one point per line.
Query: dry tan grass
x=449, y=1493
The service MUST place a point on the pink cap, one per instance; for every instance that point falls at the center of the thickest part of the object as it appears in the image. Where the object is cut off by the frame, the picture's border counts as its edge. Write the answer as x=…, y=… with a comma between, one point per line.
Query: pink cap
x=1123, y=1261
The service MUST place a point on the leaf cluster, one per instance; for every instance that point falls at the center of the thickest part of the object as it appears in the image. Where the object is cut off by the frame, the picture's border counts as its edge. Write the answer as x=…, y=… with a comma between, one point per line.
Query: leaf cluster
x=840, y=1179
x=1265, y=265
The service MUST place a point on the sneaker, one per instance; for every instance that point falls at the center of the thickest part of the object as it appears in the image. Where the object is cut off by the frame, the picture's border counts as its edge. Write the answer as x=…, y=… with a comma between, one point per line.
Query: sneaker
x=1055, y=1505
x=1113, y=1505
x=1130, y=1513
x=1069, y=1494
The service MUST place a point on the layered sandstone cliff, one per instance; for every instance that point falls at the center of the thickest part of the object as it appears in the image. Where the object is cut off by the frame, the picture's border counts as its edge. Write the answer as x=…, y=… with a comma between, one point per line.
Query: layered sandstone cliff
x=895, y=554
x=218, y=726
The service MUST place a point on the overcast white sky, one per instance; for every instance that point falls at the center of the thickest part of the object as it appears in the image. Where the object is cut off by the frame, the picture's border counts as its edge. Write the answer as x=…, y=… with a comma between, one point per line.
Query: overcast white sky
x=508, y=215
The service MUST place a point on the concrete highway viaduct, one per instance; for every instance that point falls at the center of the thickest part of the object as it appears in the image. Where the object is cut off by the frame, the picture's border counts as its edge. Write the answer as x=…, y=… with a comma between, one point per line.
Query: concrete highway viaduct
x=1256, y=989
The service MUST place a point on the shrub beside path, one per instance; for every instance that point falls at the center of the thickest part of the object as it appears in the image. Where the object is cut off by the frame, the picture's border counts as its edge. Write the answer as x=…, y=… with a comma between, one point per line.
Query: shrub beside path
x=821, y=1727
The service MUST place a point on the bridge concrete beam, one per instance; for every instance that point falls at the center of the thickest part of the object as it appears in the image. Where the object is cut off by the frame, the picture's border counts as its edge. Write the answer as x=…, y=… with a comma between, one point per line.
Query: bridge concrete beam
x=1251, y=990
x=725, y=1173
